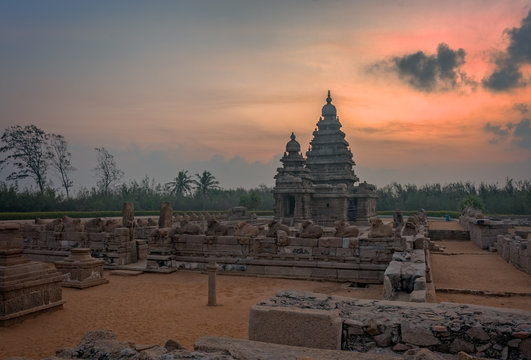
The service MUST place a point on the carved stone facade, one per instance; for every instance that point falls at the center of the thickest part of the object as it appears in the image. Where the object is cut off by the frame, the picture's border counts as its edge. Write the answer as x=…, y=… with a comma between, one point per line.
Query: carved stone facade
x=322, y=186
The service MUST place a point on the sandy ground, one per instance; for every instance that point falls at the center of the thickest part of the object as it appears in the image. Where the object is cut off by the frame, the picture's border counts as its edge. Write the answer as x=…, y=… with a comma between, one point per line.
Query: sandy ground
x=151, y=308
x=475, y=269
x=445, y=225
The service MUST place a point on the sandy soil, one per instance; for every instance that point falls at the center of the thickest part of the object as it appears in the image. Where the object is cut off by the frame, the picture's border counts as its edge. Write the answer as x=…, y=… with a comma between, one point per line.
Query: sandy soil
x=445, y=225
x=475, y=269
x=151, y=308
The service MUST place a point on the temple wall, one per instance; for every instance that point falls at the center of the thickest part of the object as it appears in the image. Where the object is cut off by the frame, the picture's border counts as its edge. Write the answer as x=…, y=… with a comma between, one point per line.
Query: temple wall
x=328, y=258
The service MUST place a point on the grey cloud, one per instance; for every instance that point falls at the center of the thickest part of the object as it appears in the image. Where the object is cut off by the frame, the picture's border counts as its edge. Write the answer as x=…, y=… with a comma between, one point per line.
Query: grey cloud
x=436, y=72
x=522, y=134
x=521, y=107
x=498, y=131
x=507, y=74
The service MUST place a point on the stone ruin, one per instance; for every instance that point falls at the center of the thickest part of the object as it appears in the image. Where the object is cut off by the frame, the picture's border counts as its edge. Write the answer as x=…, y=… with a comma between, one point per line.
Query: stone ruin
x=81, y=270
x=509, y=236
x=321, y=187
x=408, y=276
x=26, y=287
x=391, y=327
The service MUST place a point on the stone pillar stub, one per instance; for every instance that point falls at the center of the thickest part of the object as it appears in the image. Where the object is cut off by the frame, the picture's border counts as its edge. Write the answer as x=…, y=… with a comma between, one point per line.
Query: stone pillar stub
x=166, y=214
x=128, y=214
x=212, y=268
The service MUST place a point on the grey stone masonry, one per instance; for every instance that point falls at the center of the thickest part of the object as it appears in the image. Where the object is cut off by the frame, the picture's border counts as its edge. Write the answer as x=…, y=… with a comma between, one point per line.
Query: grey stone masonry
x=516, y=251
x=447, y=328
x=26, y=287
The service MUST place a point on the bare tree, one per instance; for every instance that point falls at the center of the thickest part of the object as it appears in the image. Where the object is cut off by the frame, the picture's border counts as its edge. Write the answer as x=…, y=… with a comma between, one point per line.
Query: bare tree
x=107, y=171
x=61, y=161
x=27, y=152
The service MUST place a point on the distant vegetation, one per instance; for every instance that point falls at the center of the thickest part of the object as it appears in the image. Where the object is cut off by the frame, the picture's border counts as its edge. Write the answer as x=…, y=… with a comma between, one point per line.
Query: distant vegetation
x=30, y=152
x=203, y=193
x=514, y=197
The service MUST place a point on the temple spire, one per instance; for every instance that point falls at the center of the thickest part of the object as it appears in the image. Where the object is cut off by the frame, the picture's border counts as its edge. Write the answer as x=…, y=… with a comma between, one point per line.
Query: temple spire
x=328, y=99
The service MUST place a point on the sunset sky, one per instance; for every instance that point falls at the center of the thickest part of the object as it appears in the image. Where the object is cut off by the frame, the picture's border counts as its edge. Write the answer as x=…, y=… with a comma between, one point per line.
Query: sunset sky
x=427, y=91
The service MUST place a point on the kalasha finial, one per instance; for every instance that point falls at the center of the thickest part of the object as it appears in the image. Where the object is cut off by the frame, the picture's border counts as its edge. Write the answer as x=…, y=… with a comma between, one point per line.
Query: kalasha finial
x=292, y=135
x=328, y=99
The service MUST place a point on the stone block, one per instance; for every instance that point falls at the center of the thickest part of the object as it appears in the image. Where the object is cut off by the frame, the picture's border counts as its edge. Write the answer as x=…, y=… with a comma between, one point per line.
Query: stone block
x=330, y=242
x=328, y=274
x=227, y=240
x=297, y=327
x=294, y=241
x=417, y=296
x=417, y=334
x=193, y=239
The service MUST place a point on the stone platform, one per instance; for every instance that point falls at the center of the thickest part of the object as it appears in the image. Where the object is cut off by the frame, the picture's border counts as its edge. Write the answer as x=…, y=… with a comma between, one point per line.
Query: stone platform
x=81, y=270
x=26, y=287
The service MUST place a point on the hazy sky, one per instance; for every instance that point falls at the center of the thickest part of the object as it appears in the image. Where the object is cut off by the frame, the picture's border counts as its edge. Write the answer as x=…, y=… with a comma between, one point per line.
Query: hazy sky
x=427, y=91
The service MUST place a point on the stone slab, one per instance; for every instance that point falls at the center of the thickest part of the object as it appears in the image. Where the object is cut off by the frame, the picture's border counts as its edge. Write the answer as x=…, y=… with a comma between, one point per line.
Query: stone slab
x=297, y=327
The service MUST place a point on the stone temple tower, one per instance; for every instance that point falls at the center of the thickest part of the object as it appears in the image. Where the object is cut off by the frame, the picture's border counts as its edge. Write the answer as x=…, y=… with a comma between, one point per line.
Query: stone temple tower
x=322, y=187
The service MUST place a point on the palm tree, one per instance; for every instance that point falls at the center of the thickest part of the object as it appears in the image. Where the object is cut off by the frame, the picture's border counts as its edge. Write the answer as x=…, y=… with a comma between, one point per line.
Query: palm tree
x=205, y=183
x=181, y=185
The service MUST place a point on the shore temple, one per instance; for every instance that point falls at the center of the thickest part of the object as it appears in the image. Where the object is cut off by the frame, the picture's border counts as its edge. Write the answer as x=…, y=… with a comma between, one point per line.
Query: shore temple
x=322, y=186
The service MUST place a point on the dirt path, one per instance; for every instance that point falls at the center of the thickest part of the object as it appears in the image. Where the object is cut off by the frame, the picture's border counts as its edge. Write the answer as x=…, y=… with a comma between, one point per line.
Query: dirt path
x=151, y=308
x=471, y=268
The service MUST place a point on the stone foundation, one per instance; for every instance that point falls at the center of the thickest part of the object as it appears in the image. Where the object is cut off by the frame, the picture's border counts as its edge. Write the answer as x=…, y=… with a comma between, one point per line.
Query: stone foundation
x=81, y=270
x=516, y=251
x=398, y=326
x=26, y=287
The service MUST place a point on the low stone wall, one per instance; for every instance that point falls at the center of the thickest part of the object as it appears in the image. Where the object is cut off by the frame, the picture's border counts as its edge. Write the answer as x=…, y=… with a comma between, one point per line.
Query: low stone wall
x=115, y=245
x=399, y=326
x=516, y=251
x=329, y=258
x=484, y=232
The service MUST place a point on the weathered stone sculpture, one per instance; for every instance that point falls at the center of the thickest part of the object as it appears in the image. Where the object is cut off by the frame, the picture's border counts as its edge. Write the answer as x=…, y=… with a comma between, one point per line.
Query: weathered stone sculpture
x=379, y=229
x=216, y=228
x=311, y=231
x=398, y=220
x=26, y=286
x=81, y=270
x=189, y=228
x=343, y=229
x=274, y=226
x=247, y=230
x=94, y=225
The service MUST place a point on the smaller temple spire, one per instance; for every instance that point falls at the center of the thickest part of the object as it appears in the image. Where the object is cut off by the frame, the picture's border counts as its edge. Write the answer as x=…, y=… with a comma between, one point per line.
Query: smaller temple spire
x=292, y=136
x=328, y=99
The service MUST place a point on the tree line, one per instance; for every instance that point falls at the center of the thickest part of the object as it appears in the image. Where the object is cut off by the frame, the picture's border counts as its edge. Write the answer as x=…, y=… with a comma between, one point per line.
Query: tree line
x=513, y=197
x=32, y=153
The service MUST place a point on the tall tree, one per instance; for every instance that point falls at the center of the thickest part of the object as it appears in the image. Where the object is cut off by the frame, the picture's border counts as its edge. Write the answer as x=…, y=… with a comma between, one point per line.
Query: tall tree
x=107, y=172
x=181, y=185
x=27, y=152
x=205, y=183
x=61, y=161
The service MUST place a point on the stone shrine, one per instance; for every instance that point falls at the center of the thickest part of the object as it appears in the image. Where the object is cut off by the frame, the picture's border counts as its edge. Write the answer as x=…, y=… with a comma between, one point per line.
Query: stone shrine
x=322, y=186
x=26, y=286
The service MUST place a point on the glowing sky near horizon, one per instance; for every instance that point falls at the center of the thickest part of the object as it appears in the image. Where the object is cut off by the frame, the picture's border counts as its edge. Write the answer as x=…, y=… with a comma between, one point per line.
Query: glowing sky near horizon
x=167, y=85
